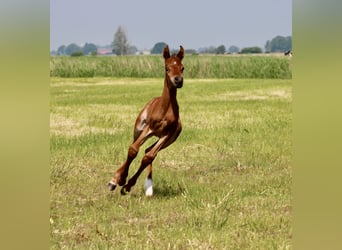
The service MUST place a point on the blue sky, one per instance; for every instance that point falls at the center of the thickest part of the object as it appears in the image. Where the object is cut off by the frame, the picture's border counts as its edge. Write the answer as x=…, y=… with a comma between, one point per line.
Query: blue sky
x=190, y=23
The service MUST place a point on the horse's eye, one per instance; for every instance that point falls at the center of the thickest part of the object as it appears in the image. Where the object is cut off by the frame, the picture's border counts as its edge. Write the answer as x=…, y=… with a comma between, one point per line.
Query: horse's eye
x=182, y=68
x=167, y=69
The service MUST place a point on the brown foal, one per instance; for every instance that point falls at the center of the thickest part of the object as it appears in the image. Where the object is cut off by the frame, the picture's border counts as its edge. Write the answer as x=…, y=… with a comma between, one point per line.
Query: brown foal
x=160, y=117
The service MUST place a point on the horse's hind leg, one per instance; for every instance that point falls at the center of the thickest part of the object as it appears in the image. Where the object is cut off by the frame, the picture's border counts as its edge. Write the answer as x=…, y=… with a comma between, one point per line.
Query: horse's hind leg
x=148, y=181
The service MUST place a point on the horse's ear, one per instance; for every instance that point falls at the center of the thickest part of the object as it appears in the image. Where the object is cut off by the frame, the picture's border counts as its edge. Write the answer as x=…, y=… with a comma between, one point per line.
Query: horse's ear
x=180, y=54
x=166, y=52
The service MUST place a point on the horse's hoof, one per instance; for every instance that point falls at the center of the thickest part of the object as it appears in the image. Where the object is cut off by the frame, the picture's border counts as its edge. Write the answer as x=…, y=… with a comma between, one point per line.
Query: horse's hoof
x=124, y=191
x=111, y=186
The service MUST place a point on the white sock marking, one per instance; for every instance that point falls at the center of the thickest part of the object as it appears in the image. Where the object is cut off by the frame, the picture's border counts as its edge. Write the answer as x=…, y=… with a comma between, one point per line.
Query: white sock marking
x=149, y=187
x=112, y=182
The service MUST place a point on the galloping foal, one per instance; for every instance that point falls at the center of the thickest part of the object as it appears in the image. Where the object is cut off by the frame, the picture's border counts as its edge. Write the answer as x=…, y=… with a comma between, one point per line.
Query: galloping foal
x=160, y=117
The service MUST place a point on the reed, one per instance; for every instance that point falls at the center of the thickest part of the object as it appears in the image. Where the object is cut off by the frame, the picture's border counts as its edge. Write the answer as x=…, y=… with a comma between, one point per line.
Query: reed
x=262, y=67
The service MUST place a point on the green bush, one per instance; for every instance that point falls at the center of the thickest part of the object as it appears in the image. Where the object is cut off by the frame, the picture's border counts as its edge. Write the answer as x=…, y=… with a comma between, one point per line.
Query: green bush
x=77, y=53
x=251, y=50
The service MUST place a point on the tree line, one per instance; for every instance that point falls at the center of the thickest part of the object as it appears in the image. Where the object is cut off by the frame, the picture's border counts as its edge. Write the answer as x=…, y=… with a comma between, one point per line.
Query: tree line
x=121, y=46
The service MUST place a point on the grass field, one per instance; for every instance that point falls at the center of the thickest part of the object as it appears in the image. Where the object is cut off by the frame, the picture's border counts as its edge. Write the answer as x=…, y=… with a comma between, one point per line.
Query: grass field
x=224, y=184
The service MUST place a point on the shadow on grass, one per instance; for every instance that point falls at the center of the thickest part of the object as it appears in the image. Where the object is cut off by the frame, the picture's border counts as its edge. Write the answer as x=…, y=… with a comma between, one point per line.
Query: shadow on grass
x=160, y=190
x=167, y=190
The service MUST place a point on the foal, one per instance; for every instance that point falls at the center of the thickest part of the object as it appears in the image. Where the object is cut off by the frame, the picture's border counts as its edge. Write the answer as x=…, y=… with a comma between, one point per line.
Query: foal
x=160, y=117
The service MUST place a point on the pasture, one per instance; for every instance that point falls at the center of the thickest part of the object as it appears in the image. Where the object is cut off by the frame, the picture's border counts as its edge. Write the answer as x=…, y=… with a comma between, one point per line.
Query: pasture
x=224, y=184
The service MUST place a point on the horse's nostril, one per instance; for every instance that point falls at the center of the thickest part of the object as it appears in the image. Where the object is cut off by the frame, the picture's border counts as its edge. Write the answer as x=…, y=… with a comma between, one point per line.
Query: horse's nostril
x=178, y=79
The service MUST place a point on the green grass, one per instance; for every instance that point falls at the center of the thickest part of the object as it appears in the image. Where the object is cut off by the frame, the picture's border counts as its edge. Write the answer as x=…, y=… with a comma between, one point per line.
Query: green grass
x=150, y=66
x=224, y=184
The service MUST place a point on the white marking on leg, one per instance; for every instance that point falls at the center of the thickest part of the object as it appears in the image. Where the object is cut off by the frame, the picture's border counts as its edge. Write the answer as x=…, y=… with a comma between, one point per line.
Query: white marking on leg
x=149, y=187
x=112, y=183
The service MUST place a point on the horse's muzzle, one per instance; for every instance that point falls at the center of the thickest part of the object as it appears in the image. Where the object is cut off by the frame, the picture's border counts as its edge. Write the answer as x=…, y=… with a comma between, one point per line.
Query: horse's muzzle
x=179, y=81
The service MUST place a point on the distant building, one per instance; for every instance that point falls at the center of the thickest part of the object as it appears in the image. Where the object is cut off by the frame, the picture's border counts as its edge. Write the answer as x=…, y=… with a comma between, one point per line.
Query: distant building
x=104, y=51
x=144, y=52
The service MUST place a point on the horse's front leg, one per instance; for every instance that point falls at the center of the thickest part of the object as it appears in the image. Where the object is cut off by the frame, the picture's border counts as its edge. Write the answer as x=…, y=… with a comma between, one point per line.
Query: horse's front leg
x=122, y=173
x=146, y=162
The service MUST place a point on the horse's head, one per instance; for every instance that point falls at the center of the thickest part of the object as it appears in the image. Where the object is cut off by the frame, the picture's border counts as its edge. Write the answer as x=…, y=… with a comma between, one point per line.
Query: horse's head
x=174, y=67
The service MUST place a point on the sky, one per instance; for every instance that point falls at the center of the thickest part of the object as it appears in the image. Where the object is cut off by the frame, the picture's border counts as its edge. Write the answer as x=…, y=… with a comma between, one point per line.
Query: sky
x=191, y=23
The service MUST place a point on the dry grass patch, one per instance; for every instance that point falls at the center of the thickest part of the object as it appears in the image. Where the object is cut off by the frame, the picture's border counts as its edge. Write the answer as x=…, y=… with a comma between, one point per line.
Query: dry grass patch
x=90, y=119
x=268, y=94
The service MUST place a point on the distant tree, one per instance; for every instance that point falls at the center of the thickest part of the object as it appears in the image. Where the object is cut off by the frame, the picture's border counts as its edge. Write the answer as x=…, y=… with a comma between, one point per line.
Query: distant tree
x=61, y=50
x=190, y=52
x=132, y=50
x=250, y=50
x=288, y=43
x=89, y=48
x=71, y=48
x=120, y=43
x=208, y=50
x=158, y=48
x=268, y=46
x=279, y=44
x=53, y=53
x=233, y=49
x=221, y=49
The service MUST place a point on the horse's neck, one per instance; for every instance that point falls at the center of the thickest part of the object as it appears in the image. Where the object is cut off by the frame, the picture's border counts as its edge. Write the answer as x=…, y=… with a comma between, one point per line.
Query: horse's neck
x=169, y=98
